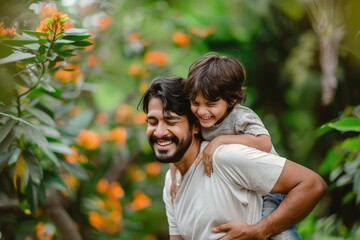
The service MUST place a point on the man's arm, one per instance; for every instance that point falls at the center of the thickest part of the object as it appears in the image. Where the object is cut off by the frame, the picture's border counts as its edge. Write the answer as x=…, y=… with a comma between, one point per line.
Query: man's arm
x=304, y=190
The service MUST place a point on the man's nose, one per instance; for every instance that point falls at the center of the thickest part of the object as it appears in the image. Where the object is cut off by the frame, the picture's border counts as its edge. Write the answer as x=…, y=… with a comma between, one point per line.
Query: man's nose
x=161, y=130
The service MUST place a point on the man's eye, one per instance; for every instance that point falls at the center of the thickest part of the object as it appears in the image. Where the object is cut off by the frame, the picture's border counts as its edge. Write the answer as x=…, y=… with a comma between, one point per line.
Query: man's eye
x=172, y=123
x=151, y=122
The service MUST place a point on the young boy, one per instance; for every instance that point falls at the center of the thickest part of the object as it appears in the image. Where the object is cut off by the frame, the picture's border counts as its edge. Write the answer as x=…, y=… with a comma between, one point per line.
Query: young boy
x=215, y=87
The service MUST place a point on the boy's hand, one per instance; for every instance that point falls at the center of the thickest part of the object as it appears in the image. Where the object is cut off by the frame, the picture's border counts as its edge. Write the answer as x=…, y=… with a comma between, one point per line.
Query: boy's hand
x=174, y=188
x=206, y=156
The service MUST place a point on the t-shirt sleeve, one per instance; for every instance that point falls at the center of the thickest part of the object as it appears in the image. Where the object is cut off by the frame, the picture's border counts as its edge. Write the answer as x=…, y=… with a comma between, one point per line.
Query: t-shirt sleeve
x=250, y=123
x=248, y=167
x=169, y=206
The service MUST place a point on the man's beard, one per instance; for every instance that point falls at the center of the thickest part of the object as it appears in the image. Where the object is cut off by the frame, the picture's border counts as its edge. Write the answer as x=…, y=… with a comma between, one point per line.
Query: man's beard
x=182, y=147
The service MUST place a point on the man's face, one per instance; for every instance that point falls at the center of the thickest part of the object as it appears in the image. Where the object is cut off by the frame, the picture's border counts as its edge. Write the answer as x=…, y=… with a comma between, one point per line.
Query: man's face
x=169, y=136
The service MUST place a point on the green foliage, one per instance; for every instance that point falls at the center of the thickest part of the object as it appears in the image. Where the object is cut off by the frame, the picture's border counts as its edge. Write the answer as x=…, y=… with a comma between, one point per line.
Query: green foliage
x=68, y=120
x=342, y=161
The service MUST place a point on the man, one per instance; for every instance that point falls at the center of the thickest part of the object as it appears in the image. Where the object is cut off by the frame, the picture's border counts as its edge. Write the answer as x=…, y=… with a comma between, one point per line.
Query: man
x=228, y=204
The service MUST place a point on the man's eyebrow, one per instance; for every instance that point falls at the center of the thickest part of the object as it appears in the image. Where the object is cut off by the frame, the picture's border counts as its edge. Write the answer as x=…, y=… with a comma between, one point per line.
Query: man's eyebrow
x=171, y=116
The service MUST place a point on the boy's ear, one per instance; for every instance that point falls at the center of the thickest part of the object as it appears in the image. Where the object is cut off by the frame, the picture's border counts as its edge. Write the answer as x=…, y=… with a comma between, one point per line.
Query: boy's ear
x=233, y=103
x=196, y=127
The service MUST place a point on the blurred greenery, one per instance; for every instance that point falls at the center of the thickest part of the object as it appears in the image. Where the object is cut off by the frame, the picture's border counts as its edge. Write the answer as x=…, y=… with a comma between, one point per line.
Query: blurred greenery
x=74, y=160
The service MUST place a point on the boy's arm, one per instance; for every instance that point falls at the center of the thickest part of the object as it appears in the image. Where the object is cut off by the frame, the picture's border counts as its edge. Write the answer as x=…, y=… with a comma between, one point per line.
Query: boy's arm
x=174, y=187
x=177, y=237
x=261, y=142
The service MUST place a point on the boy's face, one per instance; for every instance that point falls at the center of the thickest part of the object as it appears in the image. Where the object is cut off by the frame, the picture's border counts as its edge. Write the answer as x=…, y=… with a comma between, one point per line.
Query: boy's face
x=209, y=113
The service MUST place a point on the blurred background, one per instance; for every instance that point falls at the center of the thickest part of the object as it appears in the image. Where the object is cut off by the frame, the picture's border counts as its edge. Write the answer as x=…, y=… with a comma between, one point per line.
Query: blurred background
x=74, y=160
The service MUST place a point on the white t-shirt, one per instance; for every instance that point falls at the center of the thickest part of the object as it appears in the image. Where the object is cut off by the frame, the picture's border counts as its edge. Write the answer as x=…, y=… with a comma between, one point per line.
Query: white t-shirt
x=242, y=175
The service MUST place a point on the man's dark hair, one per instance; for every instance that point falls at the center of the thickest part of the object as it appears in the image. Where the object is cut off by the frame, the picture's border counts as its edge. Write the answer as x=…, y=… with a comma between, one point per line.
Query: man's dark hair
x=216, y=77
x=170, y=89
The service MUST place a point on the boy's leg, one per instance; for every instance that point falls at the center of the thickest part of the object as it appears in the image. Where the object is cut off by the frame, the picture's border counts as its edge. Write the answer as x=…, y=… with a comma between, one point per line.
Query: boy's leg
x=271, y=202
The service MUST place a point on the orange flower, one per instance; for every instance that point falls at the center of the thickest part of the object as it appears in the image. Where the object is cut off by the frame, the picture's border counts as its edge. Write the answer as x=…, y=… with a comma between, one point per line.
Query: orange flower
x=124, y=114
x=70, y=181
x=150, y=237
x=137, y=175
x=203, y=33
x=74, y=110
x=47, y=11
x=90, y=47
x=96, y=220
x=153, y=168
x=118, y=134
x=143, y=87
x=136, y=70
x=88, y=139
x=7, y=32
x=181, y=39
x=102, y=185
x=70, y=73
x=101, y=118
x=105, y=22
x=115, y=191
x=158, y=58
x=141, y=201
x=107, y=222
x=44, y=231
x=140, y=118
x=54, y=26
x=133, y=37
x=93, y=61
x=75, y=156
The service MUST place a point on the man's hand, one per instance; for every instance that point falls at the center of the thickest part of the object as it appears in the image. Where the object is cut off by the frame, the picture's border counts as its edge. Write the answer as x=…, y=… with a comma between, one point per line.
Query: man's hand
x=238, y=231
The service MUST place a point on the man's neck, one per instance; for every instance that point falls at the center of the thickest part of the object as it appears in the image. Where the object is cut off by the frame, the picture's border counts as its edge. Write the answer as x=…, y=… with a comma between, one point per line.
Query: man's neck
x=189, y=157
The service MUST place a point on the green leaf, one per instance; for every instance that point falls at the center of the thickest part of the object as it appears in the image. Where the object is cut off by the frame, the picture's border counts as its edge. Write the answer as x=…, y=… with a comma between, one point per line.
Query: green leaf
x=332, y=160
x=32, y=194
x=82, y=43
x=352, y=144
x=37, y=137
x=15, y=156
x=19, y=119
x=76, y=37
x=356, y=187
x=16, y=56
x=35, y=170
x=4, y=159
x=19, y=42
x=346, y=124
x=54, y=180
x=76, y=31
x=34, y=33
x=76, y=170
x=42, y=116
x=60, y=148
x=323, y=130
x=7, y=141
x=6, y=128
x=47, y=87
x=49, y=131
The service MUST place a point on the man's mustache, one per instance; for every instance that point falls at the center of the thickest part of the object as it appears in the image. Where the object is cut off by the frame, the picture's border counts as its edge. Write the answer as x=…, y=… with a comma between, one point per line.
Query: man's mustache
x=153, y=139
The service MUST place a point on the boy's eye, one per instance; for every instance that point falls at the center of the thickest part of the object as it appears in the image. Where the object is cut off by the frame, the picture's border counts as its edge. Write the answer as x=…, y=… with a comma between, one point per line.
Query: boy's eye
x=212, y=104
x=194, y=103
